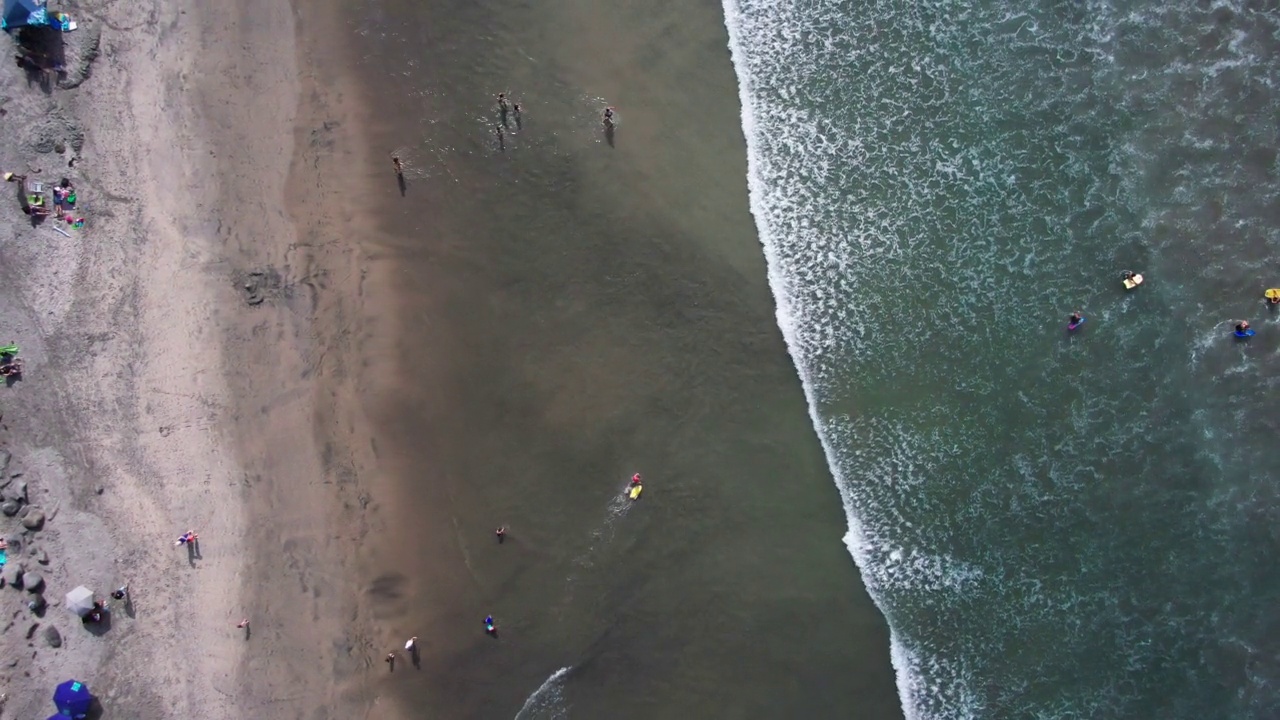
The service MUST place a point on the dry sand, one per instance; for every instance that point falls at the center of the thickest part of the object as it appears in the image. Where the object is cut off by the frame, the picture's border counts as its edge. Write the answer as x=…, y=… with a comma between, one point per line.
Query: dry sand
x=157, y=398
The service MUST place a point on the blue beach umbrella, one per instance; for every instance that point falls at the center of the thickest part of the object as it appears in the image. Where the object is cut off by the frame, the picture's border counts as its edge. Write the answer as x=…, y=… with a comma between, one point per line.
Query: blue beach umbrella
x=73, y=699
x=19, y=13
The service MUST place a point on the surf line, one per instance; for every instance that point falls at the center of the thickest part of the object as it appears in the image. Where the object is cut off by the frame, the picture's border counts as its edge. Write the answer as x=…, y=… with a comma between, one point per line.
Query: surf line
x=546, y=697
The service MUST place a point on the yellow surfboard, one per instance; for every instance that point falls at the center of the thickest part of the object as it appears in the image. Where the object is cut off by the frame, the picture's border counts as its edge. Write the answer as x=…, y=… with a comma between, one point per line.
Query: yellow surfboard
x=1272, y=294
x=635, y=491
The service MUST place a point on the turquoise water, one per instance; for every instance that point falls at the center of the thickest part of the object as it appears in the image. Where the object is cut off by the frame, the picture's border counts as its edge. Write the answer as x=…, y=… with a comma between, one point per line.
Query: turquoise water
x=1055, y=526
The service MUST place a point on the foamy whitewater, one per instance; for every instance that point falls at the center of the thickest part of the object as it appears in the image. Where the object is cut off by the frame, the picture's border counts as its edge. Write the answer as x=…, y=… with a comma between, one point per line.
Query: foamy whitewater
x=1055, y=526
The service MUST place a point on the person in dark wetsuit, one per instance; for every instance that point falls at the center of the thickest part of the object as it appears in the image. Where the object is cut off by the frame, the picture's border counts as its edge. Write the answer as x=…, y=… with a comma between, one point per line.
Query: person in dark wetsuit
x=1075, y=320
x=503, y=107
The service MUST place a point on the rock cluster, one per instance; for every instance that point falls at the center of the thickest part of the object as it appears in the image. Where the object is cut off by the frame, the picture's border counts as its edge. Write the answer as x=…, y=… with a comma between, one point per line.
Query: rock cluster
x=17, y=574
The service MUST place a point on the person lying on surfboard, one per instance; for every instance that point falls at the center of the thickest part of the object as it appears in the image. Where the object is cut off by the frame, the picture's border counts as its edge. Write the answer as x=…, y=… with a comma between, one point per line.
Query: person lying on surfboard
x=635, y=479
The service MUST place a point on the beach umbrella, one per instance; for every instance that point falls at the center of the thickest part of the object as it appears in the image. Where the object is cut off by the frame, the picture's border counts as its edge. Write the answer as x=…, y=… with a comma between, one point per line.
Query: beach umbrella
x=73, y=699
x=19, y=13
x=80, y=601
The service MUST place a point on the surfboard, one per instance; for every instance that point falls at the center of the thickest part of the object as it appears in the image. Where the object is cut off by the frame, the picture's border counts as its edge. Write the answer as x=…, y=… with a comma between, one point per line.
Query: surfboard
x=635, y=491
x=1133, y=282
x=1246, y=334
x=1076, y=326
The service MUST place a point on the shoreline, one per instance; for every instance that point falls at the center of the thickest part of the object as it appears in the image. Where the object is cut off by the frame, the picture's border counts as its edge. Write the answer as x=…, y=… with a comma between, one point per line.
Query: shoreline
x=157, y=397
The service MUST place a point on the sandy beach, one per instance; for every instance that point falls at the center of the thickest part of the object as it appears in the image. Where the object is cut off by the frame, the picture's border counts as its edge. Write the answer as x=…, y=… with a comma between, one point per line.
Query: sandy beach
x=189, y=364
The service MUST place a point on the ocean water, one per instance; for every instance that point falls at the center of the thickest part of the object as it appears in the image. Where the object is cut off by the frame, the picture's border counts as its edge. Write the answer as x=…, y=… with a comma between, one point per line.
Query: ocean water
x=1055, y=525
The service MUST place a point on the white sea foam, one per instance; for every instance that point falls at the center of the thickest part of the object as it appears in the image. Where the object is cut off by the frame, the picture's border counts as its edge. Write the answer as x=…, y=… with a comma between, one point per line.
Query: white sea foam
x=547, y=702
x=790, y=321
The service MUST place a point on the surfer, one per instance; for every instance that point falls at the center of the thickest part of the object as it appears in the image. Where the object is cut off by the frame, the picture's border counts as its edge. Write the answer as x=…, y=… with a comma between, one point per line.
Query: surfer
x=1130, y=279
x=1075, y=320
x=607, y=119
x=1242, y=327
x=1273, y=296
x=635, y=479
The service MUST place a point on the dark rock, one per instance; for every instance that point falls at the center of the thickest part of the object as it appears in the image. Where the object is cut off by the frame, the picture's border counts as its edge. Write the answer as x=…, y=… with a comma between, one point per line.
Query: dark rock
x=5, y=457
x=31, y=631
x=99, y=489
x=37, y=603
x=34, y=519
x=16, y=491
x=12, y=574
x=32, y=581
x=39, y=554
x=9, y=508
x=53, y=637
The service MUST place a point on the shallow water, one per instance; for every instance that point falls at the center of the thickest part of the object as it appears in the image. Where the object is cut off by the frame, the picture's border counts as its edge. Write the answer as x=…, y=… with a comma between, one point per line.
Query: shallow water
x=573, y=308
x=1055, y=525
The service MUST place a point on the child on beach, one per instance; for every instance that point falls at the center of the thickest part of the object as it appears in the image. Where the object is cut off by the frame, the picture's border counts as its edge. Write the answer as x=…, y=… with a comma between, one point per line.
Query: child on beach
x=186, y=537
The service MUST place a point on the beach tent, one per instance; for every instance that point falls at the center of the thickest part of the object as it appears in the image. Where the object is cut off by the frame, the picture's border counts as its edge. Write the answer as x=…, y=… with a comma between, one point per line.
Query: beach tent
x=21, y=13
x=80, y=601
x=73, y=699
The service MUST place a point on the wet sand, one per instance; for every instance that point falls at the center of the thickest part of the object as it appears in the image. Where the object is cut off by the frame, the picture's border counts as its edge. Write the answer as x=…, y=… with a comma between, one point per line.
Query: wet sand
x=568, y=311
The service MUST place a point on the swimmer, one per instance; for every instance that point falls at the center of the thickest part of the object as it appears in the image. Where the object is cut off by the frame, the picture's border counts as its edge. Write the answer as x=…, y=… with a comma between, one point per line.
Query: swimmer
x=1242, y=326
x=501, y=533
x=1273, y=296
x=1127, y=275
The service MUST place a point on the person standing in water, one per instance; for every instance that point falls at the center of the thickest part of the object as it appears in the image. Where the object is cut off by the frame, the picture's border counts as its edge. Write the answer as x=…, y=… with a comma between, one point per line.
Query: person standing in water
x=503, y=108
x=395, y=163
x=515, y=111
x=607, y=118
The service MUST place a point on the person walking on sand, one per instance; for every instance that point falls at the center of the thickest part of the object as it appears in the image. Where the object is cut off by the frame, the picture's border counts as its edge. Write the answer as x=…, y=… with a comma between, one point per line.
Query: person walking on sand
x=123, y=591
x=243, y=624
x=185, y=538
x=411, y=645
x=390, y=660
